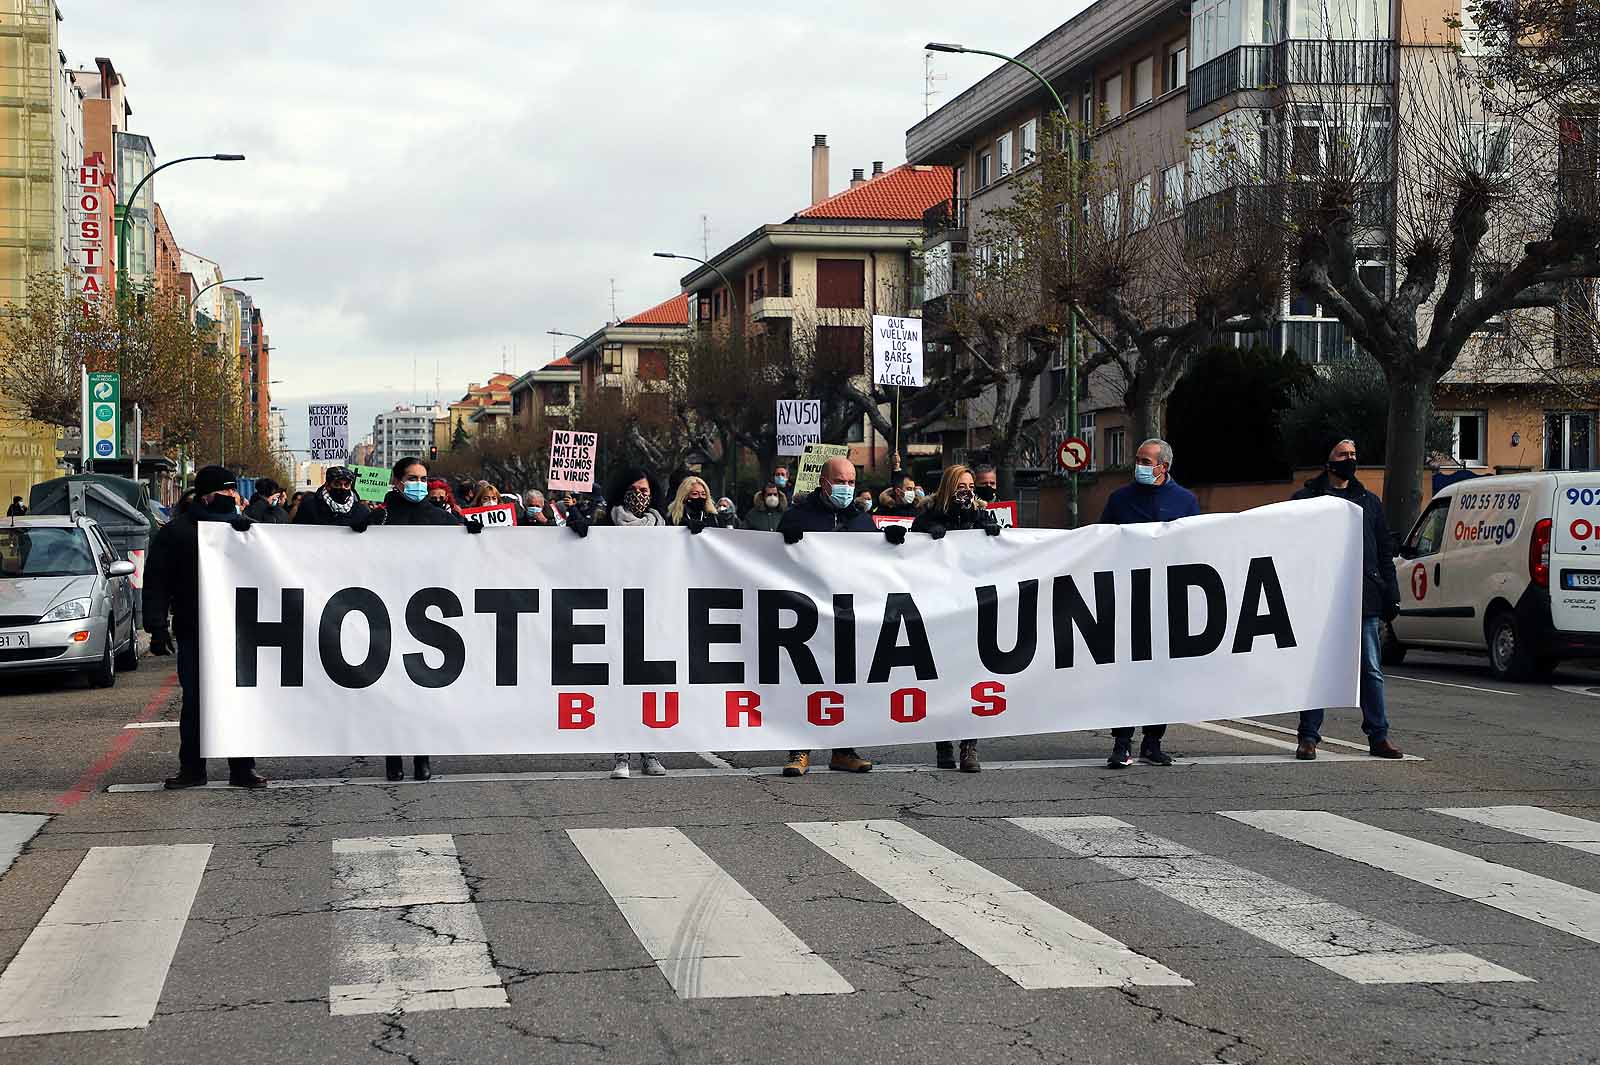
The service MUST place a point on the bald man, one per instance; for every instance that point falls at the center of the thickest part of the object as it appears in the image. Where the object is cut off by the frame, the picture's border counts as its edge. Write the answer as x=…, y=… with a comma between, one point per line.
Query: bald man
x=831, y=507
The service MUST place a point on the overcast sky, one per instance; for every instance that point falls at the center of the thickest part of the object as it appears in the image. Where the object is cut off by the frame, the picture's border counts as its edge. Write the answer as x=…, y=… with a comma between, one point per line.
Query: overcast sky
x=443, y=182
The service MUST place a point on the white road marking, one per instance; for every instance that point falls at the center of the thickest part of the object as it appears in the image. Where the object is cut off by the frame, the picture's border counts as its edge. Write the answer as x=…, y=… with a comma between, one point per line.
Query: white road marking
x=1341, y=940
x=150, y=724
x=1224, y=730
x=99, y=958
x=15, y=832
x=714, y=760
x=1291, y=732
x=1593, y=693
x=1448, y=684
x=1032, y=942
x=406, y=935
x=1547, y=826
x=708, y=935
x=1539, y=899
x=880, y=768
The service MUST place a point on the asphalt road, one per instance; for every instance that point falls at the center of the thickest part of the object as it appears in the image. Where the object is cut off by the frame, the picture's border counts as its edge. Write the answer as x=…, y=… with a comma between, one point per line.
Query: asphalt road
x=899, y=916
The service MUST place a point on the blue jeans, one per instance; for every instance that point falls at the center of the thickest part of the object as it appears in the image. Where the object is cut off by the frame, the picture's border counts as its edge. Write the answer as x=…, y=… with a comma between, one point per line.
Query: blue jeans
x=1374, y=717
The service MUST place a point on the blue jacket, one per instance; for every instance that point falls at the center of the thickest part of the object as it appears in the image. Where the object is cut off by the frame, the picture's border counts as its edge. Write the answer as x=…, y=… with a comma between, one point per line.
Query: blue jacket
x=1380, y=587
x=811, y=513
x=1135, y=504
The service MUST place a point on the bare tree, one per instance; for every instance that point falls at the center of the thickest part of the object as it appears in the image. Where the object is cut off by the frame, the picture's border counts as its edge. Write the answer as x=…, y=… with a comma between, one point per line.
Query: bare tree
x=1534, y=51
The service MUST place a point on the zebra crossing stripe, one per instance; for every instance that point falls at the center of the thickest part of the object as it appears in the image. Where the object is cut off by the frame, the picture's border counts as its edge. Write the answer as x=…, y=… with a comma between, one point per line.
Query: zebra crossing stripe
x=406, y=935
x=1538, y=899
x=99, y=958
x=15, y=832
x=1026, y=938
x=708, y=935
x=1340, y=940
x=1546, y=826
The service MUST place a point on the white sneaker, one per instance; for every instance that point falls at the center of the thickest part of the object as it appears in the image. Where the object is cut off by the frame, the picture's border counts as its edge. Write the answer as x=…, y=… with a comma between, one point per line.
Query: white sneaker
x=619, y=768
x=653, y=766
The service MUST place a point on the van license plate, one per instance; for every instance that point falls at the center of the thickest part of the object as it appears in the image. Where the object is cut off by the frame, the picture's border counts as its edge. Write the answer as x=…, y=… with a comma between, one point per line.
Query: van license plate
x=10, y=641
x=1580, y=579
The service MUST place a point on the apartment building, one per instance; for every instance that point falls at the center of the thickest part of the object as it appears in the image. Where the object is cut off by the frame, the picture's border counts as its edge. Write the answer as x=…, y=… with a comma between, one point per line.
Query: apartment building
x=493, y=395
x=635, y=354
x=1163, y=85
x=406, y=431
x=546, y=396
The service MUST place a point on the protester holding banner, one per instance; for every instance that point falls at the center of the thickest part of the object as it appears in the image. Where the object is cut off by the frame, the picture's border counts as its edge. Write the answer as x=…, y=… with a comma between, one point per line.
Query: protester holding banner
x=691, y=507
x=770, y=503
x=831, y=507
x=636, y=492
x=172, y=586
x=335, y=503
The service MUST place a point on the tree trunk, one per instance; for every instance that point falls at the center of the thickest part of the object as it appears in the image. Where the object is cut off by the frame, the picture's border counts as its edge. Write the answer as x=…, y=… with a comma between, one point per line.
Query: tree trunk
x=1147, y=417
x=1410, y=407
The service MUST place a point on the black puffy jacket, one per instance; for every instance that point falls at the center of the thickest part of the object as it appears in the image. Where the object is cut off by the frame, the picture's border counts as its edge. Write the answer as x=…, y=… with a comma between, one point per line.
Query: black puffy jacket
x=314, y=510
x=398, y=510
x=813, y=513
x=1379, y=586
x=953, y=520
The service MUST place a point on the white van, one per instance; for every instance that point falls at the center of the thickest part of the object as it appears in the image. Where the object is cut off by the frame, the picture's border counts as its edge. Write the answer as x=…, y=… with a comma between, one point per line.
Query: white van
x=1508, y=565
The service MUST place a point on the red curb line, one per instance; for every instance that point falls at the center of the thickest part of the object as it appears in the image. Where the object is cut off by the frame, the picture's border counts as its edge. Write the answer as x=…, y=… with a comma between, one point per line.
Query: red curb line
x=86, y=783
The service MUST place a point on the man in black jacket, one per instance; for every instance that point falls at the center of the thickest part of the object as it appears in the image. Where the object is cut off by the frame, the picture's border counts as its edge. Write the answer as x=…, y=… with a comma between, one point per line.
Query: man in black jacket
x=267, y=504
x=1380, y=600
x=335, y=503
x=172, y=586
x=830, y=508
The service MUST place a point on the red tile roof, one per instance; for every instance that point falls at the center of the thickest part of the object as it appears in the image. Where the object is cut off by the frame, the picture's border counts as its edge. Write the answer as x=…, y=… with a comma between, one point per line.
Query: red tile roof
x=560, y=364
x=899, y=195
x=673, y=312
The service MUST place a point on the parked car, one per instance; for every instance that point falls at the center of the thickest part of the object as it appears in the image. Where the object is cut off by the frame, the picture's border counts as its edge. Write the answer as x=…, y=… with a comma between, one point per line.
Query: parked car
x=1507, y=566
x=66, y=599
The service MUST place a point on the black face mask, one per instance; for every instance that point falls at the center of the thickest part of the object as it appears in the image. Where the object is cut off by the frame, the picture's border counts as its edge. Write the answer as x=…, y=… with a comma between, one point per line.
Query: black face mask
x=339, y=495
x=222, y=505
x=695, y=505
x=1344, y=469
x=985, y=492
x=442, y=504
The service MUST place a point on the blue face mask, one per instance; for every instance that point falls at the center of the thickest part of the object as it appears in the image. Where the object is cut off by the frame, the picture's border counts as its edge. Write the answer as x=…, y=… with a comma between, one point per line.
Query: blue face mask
x=780, y=480
x=416, y=491
x=842, y=495
x=1144, y=474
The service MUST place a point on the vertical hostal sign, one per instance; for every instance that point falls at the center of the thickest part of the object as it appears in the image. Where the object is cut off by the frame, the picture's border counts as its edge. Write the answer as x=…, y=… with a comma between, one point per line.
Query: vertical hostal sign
x=91, y=231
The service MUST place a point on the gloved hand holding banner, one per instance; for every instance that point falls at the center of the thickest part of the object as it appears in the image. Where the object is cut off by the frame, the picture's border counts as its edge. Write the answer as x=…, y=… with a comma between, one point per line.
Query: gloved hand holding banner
x=319, y=642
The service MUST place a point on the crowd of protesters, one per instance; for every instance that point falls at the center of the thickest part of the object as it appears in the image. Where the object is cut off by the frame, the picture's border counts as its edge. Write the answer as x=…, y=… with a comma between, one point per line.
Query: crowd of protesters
x=635, y=499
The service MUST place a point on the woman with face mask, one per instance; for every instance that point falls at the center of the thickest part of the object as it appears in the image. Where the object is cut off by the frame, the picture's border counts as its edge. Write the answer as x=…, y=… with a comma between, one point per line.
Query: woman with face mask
x=638, y=492
x=439, y=495
x=770, y=503
x=955, y=506
x=692, y=507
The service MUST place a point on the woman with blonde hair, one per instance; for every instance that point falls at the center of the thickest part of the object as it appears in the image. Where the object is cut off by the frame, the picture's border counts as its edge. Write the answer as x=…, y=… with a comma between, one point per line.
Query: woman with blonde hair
x=692, y=507
x=485, y=494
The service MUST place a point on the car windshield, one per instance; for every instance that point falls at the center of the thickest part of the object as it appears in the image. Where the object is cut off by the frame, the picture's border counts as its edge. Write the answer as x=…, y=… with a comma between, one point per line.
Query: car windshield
x=44, y=553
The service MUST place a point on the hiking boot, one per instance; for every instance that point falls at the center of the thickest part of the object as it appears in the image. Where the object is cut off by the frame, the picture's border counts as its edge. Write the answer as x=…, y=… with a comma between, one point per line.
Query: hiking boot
x=1384, y=749
x=969, y=757
x=1150, y=751
x=653, y=766
x=1306, y=752
x=619, y=767
x=846, y=760
x=944, y=755
x=798, y=763
x=1121, y=754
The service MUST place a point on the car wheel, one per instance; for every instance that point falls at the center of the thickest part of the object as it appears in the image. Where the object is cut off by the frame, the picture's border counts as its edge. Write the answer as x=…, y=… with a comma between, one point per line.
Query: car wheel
x=104, y=674
x=1508, y=653
x=1390, y=650
x=128, y=659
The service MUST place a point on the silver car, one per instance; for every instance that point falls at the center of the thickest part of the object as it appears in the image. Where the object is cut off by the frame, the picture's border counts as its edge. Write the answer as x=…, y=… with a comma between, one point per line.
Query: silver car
x=66, y=600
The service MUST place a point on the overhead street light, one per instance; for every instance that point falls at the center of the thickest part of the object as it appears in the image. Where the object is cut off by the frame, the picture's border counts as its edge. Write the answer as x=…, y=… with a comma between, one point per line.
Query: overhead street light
x=733, y=297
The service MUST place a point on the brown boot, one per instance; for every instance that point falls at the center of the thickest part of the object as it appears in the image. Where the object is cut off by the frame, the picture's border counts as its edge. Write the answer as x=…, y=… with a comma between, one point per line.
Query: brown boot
x=846, y=760
x=969, y=757
x=944, y=755
x=1384, y=749
x=798, y=763
x=1306, y=752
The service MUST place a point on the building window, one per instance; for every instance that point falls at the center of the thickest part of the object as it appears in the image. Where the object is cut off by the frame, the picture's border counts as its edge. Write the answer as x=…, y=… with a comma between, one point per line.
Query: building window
x=1177, y=65
x=1486, y=147
x=842, y=349
x=1111, y=97
x=1144, y=81
x=785, y=279
x=1111, y=213
x=1116, y=451
x=1003, y=148
x=611, y=359
x=1086, y=434
x=1172, y=191
x=1468, y=436
x=1030, y=140
x=841, y=283
x=985, y=169
x=1568, y=440
x=1140, y=206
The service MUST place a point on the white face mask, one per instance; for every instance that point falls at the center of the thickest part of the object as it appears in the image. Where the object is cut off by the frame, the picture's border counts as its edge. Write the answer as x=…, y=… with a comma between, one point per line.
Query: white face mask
x=772, y=501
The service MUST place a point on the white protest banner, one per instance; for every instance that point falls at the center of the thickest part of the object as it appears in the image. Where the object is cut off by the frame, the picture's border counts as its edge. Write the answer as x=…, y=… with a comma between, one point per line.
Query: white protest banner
x=896, y=350
x=799, y=425
x=572, y=460
x=330, y=431
x=499, y=516
x=426, y=639
x=809, y=469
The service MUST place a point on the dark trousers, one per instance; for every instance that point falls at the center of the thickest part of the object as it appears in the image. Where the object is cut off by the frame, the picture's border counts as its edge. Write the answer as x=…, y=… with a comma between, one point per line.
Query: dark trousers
x=1151, y=732
x=189, y=760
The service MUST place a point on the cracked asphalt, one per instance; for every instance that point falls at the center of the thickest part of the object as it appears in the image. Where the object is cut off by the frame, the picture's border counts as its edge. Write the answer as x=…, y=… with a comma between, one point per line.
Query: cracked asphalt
x=251, y=975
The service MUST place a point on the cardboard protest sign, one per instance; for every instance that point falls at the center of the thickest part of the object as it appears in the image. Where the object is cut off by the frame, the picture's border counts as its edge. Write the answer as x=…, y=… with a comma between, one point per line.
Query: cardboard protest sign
x=809, y=468
x=799, y=424
x=896, y=350
x=330, y=431
x=499, y=516
x=1005, y=512
x=372, y=482
x=572, y=456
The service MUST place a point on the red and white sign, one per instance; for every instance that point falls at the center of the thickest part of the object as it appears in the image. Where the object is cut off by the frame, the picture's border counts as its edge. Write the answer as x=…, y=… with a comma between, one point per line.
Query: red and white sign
x=1073, y=455
x=500, y=516
x=1005, y=512
x=881, y=520
x=90, y=223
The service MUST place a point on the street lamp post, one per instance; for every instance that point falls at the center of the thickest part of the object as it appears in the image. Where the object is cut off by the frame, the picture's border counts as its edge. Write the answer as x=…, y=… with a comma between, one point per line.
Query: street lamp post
x=194, y=301
x=1072, y=197
x=733, y=295
x=127, y=205
x=222, y=424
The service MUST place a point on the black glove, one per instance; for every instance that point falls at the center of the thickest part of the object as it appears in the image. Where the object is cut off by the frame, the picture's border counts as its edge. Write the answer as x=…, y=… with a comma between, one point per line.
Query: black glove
x=792, y=536
x=240, y=522
x=696, y=526
x=359, y=525
x=474, y=526
x=895, y=534
x=160, y=643
x=1391, y=611
x=577, y=522
x=937, y=531
x=993, y=528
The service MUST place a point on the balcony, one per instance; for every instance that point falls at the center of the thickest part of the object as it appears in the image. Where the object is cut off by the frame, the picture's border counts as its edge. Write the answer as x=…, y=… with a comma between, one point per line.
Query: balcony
x=945, y=221
x=767, y=305
x=1315, y=341
x=1295, y=62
